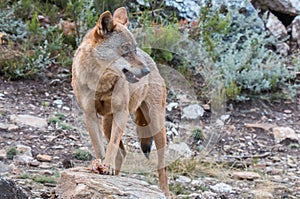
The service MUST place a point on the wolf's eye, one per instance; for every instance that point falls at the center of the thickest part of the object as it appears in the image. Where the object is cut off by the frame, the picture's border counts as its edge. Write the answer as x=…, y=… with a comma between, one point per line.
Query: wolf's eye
x=125, y=48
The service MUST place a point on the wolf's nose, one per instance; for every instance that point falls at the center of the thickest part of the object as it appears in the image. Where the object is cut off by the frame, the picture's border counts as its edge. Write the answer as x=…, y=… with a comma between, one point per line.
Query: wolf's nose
x=145, y=70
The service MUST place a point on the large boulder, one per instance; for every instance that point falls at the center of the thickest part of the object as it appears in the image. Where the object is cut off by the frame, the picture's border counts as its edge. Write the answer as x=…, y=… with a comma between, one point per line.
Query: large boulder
x=9, y=190
x=276, y=27
x=291, y=7
x=77, y=183
x=296, y=29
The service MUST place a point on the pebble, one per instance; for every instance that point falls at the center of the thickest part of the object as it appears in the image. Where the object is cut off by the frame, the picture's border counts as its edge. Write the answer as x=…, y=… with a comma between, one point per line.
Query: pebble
x=287, y=111
x=183, y=179
x=262, y=194
x=179, y=150
x=58, y=147
x=66, y=108
x=222, y=188
x=206, y=107
x=45, y=165
x=245, y=175
x=193, y=111
x=172, y=105
x=44, y=158
x=224, y=117
x=58, y=102
x=46, y=172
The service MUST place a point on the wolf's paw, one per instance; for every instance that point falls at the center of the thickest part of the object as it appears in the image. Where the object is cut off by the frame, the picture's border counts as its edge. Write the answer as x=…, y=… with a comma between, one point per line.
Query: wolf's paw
x=97, y=167
x=108, y=170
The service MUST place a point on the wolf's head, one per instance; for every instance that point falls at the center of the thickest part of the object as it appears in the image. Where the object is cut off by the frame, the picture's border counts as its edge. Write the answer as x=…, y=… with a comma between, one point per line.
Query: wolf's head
x=116, y=45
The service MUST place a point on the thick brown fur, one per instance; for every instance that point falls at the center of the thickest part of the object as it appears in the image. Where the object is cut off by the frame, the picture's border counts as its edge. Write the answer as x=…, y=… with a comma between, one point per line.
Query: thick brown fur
x=114, y=78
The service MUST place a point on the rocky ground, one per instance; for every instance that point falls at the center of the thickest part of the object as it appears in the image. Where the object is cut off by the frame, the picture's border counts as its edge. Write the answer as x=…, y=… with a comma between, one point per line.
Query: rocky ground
x=251, y=150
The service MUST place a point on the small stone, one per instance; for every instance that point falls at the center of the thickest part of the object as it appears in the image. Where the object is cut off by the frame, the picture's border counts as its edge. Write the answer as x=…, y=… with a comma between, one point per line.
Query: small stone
x=193, y=111
x=196, y=182
x=179, y=150
x=58, y=147
x=58, y=102
x=171, y=106
x=46, y=172
x=34, y=163
x=174, y=131
x=219, y=123
x=66, y=108
x=183, y=179
x=275, y=159
x=282, y=48
x=245, y=175
x=206, y=107
x=283, y=133
x=222, y=188
x=287, y=111
x=169, y=133
x=292, y=165
x=44, y=158
x=224, y=117
x=73, y=137
x=45, y=165
x=262, y=194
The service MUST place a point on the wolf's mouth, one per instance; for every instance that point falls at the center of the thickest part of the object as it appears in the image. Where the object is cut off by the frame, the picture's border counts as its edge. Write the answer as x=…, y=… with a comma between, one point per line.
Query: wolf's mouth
x=130, y=77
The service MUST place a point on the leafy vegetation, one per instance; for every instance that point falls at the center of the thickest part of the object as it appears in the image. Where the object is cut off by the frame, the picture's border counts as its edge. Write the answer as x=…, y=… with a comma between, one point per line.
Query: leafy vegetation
x=223, y=46
x=11, y=152
x=81, y=154
x=58, y=120
x=227, y=48
x=44, y=179
x=198, y=134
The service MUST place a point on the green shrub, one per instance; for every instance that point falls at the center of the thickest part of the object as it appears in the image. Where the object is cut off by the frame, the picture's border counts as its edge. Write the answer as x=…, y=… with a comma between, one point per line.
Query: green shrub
x=44, y=179
x=241, y=55
x=81, y=154
x=11, y=152
x=198, y=134
x=15, y=27
x=179, y=189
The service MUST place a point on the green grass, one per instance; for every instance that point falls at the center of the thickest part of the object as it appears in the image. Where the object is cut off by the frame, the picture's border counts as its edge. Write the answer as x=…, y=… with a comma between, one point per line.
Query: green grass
x=11, y=152
x=81, y=154
x=44, y=179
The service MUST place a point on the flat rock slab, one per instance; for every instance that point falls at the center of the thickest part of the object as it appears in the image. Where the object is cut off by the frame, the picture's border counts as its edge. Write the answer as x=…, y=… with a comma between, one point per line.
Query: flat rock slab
x=29, y=120
x=77, y=183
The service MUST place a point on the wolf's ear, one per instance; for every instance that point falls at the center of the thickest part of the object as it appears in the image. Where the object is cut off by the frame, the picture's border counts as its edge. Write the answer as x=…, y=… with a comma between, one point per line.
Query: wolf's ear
x=120, y=15
x=105, y=24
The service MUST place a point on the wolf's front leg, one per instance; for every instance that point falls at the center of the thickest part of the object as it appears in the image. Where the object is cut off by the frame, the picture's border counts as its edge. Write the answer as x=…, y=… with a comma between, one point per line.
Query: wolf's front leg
x=118, y=127
x=95, y=133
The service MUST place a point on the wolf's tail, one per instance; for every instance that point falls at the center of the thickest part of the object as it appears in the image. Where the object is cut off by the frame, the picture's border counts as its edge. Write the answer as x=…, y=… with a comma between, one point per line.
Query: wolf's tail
x=146, y=144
